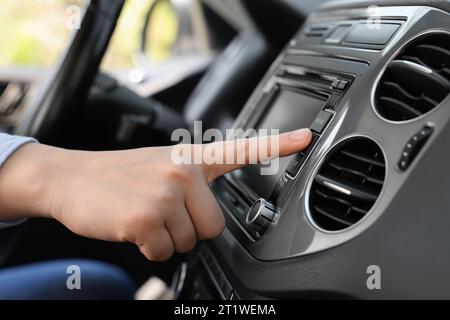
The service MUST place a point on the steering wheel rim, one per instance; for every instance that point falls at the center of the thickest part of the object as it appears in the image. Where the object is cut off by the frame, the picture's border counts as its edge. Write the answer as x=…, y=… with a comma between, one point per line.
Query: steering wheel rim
x=69, y=84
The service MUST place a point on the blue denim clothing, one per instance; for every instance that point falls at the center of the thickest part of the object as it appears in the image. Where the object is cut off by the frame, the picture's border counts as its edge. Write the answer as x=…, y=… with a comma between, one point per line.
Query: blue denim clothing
x=48, y=280
x=54, y=280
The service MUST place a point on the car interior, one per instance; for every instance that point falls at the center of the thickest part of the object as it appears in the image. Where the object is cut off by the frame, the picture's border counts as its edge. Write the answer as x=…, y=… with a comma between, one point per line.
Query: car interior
x=371, y=79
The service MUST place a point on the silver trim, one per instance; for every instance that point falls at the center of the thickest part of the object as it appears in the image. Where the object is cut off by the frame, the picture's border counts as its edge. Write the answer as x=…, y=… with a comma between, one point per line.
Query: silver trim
x=256, y=215
x=317, y=167
x=179, y=280
x=383, y=71
x=338, y=188
x=416, y=66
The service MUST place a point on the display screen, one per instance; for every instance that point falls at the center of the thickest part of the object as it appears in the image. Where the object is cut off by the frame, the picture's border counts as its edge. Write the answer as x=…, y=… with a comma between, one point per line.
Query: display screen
x=289, y=111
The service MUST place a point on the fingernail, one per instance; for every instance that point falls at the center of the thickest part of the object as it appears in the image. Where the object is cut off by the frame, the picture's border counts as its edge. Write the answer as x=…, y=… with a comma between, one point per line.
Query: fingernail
x=300, y=135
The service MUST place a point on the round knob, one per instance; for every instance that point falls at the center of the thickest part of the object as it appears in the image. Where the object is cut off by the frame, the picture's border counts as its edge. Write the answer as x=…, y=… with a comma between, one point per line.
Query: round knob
x=261, y=215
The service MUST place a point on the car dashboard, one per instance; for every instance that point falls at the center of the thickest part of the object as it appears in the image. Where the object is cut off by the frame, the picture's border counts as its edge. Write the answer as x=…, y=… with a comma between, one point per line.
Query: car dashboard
x=373, y=84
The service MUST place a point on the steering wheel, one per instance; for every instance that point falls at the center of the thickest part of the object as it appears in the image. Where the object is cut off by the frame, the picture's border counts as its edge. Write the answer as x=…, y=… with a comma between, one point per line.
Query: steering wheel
x=68, y=86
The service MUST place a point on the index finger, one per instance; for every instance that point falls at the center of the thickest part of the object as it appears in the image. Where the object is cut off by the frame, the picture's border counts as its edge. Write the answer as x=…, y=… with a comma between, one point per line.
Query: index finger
x=239, y=153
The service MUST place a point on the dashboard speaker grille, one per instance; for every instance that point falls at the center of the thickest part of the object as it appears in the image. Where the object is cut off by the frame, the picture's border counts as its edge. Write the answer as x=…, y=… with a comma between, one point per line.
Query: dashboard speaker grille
x=347, y=184
x=417, y=80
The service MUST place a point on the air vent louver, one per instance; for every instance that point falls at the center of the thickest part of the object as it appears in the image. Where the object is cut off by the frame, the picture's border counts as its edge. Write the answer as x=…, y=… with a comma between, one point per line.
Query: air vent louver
x=347, y=184
x=417, y=80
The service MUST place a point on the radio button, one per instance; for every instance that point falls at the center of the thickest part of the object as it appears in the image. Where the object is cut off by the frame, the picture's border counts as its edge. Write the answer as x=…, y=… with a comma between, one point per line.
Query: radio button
x=311, y=147
x=321, y=122
x=333, y=101
x=413, y=147
x=334, y=85
x=342, y=85
x=295, y=164
x=338, y=34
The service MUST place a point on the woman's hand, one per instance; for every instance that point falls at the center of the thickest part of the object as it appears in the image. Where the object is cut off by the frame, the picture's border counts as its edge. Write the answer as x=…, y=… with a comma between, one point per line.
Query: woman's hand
x=138, y=196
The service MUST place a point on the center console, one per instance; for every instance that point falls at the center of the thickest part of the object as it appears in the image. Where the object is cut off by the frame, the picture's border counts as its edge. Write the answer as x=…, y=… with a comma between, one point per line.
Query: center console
x=293, y=97
x=330, y=211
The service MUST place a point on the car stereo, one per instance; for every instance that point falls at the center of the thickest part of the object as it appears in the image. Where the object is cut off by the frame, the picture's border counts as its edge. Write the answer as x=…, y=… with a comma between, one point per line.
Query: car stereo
x=293, y=97
x=289, y=109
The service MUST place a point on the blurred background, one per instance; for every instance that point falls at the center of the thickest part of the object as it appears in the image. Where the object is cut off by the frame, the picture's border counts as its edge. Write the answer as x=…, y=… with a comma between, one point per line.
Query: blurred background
x=34, y=33
x=169, y=52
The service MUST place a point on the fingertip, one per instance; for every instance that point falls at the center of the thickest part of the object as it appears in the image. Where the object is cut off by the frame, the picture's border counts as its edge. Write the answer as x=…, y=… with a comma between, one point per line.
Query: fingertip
x=294, y=141
x=302, y=135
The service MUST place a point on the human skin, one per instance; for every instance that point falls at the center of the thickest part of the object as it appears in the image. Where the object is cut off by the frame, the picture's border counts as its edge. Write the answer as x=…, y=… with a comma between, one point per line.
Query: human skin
x=138, y=196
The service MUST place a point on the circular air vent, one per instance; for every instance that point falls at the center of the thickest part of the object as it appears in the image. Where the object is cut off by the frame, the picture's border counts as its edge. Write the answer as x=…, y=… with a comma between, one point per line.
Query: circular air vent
x=417, y=80
x=347, y=184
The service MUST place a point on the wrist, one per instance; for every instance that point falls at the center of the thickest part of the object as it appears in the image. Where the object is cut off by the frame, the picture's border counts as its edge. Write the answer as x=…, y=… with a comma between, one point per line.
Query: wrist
x=28, y=180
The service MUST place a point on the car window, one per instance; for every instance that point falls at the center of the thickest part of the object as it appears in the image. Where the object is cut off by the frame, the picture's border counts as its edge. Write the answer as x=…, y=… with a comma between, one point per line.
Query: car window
x=35, y=33
x=165, y=37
